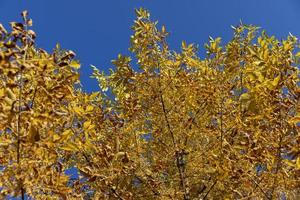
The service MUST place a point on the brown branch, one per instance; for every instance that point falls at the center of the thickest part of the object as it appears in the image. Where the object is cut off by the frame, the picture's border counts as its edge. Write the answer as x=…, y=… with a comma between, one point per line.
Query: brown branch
x=153, y=189
x=19, y=130
x=179, y=155
x=221, y=125
x=116, y=193
x=278, y=164
x=191, y=121
x=33, y=98
x=26, y=45
x=257, y=184
x=167, y=121
x=19, y=137
x=210, y=189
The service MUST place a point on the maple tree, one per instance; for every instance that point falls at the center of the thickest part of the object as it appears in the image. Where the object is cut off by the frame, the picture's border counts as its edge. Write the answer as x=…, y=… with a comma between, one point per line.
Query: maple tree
x=170, y=126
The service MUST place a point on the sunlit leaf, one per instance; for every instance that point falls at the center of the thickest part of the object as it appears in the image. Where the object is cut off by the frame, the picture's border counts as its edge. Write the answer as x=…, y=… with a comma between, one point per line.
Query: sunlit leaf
x=75, y=64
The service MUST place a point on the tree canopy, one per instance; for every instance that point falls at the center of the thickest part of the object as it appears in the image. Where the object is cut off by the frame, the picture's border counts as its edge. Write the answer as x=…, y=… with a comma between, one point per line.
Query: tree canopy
x=163, y=125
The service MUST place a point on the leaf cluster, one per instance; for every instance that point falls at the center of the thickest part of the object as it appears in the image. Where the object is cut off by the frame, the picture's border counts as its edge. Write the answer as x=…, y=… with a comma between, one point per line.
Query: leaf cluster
x=177, y=127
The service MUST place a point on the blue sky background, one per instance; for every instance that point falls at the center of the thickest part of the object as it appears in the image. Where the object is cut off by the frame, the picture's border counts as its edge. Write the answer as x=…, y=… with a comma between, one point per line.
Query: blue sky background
x=98, y=30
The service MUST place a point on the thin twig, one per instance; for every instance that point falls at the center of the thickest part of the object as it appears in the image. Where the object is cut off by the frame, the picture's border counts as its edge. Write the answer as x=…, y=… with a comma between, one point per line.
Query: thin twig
x=210, y=189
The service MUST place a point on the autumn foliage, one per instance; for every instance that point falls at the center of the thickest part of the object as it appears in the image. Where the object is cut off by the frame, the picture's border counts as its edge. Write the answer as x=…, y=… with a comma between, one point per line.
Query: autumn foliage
x=169, y=125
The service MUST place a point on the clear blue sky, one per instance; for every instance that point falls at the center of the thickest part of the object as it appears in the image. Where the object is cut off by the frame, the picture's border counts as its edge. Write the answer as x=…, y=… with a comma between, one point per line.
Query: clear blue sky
x=98, y=30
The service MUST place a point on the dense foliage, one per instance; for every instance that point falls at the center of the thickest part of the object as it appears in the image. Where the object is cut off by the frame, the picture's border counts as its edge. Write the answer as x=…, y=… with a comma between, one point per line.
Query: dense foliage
x=174, y=127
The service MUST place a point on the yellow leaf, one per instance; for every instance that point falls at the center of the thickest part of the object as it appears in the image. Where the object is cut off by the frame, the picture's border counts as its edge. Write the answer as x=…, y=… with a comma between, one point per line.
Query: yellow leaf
x=259, y=63
x=298, y=163
x=259, y=76
x=75, y=64
x=148, y=172
x=255, y=75
x=276, y=81
x=289, y=163
x=78, y=110
x=70, y=147
x=163, y=29
x=2, y=93
x=10, y=94
x=298, y=54
x=295, y=120
x=214, y=46
x=89, y=108
x=8, y=101
x=272, y=84
x=86, y=125
x=286, y=45
x=183, y=44
x=245, y=97
x=251, y=76
x=127, y=96
x=120, y=154
x=66, y=135
x=94, y=95
x=251, y=51
x=56, y=137
x=5, y=142
x=2, y=116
